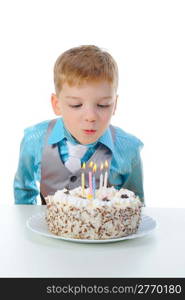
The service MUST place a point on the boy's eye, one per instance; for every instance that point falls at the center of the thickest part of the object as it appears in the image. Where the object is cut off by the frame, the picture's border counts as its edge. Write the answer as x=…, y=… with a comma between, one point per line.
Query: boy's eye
x=103, y=106
x=99, y=105
x=77, y=105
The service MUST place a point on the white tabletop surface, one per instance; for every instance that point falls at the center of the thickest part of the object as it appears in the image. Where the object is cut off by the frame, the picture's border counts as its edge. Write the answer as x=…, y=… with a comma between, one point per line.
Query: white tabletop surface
x=24, y=253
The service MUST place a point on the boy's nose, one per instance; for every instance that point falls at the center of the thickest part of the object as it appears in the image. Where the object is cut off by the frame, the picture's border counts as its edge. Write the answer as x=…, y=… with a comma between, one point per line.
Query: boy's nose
x=90, y=115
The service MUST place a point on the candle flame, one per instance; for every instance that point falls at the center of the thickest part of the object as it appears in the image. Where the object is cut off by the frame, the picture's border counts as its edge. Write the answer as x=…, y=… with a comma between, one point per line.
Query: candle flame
x=91, y=164
x=106, y=164
x=94, y=168
x=101, y=167
x=84, y=165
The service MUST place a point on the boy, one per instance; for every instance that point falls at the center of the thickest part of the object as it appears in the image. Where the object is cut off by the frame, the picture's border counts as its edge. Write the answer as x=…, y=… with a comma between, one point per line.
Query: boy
x=86, y=80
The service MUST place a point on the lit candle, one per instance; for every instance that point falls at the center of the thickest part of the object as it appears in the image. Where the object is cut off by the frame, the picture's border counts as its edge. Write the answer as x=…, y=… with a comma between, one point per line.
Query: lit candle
x=83, y=180
x=90, y=182
x=106, y=174
x=94, y=181
x=91, y=164
x=101, y=177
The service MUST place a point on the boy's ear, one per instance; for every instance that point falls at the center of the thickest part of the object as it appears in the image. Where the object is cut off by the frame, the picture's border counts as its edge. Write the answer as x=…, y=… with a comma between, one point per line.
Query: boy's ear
x=115, y=106
x=55, y=104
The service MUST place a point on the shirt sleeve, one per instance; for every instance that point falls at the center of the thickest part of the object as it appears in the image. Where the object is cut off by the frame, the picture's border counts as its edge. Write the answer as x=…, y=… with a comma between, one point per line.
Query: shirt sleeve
x=25, y=187
x=134, y=180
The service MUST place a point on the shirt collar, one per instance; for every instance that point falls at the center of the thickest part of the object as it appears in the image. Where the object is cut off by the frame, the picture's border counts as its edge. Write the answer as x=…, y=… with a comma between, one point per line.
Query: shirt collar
x=59, y=132
x=106, y=139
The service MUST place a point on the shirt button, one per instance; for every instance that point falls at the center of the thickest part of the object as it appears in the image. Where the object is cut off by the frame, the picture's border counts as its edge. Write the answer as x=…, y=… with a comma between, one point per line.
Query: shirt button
x=73, y=178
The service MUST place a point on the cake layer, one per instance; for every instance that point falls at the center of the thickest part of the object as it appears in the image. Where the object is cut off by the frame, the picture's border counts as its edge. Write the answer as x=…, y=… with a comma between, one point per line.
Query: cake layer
x=111, y=214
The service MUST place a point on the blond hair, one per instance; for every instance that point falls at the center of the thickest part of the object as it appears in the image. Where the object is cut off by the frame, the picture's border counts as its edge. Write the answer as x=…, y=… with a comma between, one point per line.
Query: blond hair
x=86, y=63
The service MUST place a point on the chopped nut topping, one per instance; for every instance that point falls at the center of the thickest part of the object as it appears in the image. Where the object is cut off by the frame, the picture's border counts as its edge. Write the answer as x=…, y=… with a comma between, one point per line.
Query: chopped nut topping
x=66, y=192
x=124, y=196
x=105, y=199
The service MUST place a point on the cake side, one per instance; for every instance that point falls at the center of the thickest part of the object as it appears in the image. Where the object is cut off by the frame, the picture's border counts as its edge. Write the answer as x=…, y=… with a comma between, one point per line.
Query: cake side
x=112, y=214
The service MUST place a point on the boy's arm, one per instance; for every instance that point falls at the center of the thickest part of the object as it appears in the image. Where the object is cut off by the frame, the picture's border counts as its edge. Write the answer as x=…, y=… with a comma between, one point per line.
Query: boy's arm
x=25, y=188
x=134, y=181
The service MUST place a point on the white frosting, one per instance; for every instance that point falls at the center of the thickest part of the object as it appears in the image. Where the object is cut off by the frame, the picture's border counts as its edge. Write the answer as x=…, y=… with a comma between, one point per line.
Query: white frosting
x=114, y=197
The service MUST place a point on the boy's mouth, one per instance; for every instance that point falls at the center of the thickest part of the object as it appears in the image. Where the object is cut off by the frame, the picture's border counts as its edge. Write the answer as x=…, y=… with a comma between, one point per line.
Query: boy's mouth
x=89, y=131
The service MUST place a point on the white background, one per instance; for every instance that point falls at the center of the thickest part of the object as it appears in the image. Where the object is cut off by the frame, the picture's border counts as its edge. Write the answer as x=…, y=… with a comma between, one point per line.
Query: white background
x=147, y=39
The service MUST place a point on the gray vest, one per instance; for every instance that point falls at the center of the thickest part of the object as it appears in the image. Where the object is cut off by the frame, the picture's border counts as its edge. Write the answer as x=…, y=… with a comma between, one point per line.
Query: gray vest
x=55, y=176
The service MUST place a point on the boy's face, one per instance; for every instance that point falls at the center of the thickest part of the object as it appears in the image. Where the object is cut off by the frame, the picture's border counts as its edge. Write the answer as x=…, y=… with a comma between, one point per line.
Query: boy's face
x=86, y=109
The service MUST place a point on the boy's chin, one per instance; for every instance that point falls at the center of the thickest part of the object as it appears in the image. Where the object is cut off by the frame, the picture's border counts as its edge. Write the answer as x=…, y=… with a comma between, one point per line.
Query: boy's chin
x=88, y=140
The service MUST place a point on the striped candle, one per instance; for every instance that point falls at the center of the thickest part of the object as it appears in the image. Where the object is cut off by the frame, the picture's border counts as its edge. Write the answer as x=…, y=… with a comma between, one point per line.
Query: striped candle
x=94, y=181
x=106, y=174
x=90, y=183
x=83, y=180
x=101, y=177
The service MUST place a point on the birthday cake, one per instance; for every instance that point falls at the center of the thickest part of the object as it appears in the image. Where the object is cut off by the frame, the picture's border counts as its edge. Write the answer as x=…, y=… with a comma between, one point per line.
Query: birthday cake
x=111, y=214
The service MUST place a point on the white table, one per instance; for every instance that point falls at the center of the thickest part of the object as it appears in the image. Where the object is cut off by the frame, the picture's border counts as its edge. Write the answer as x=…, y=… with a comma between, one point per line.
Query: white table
x=24, y=253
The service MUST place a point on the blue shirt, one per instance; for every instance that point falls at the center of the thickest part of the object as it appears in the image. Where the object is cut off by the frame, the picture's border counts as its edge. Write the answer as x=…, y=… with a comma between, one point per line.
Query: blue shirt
x=125, y=169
